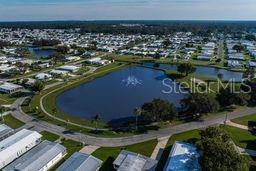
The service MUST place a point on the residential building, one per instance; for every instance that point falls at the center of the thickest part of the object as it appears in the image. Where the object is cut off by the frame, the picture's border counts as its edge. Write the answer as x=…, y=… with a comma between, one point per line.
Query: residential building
x=10, y=88
x=5, y=131
x=129, y=161
x=81, y=162
x=183, y=156
x=42, y=157
x=16, y=145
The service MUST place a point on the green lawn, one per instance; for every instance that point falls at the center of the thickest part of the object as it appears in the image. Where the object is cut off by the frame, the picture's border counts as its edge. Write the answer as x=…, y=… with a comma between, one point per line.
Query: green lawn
x=190, y=136
x=244, y=120
x=108, y=155
x=12, y=122
x=6, y=99
x=241, y=138
x=49, y=136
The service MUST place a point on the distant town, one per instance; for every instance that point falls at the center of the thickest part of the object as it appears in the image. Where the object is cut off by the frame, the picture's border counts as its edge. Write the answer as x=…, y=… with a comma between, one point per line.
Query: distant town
x=92, y=97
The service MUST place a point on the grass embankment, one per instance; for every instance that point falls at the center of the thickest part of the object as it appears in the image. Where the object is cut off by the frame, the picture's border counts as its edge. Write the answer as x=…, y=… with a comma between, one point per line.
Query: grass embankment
x=246, y=120
x=49, y=136
x=241, y=138
x=6, y=99
x=12, y=122
x=190, y=137
x=108, y=155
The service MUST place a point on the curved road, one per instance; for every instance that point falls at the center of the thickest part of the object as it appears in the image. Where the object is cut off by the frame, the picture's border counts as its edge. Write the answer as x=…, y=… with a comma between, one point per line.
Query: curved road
x=123, y=141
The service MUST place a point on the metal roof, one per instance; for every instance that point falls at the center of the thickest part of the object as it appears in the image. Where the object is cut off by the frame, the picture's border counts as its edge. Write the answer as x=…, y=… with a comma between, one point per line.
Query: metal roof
x=38, y=157
x=129, y=161
x=4, y=130
x=183, y=157
x=80, y=162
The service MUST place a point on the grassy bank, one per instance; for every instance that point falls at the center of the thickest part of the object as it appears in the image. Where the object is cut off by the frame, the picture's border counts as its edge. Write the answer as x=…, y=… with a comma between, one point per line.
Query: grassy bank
x=245, y=120
x=12, y=122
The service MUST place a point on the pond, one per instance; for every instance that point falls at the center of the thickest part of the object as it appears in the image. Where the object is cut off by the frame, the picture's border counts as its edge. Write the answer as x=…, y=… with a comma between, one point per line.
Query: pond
x=117, y=94
x=41, y=53
x=211, y=72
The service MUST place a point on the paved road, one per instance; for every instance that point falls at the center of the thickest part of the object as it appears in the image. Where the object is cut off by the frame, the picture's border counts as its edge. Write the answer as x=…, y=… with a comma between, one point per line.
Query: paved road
x=114, y=142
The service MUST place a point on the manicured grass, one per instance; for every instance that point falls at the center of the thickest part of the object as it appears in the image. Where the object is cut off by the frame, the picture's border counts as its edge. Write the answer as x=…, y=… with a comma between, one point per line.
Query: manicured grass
x=241, y=138
x=49, y=136
x=12, y=122
x=6, y=99
x=245, y=120
x=190, y=137
x=108, y=155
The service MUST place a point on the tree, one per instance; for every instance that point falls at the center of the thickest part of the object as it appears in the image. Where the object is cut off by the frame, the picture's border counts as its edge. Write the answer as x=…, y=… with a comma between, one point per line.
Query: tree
x=62, y=49
x=249, y=73
x=198, y=103
x=159, y=110
x=238, y=48
x=186, y=68
x=250, y=37
x=96, y=120
x=137, y=112
x=166, y=43
x=38, y=86
x=228, y=96
x=218, y=151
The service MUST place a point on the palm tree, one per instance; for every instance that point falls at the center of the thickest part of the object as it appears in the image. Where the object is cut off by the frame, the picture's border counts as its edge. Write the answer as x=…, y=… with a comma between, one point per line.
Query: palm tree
x=137, y=111
x=96, y=119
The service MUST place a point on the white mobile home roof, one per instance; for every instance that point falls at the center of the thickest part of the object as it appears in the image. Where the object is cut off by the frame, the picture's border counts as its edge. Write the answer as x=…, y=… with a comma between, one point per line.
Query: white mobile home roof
x=12, y=144
x=38, y=157
x=4, y=130
x=80, y=162
x=9, y=86
x=129, y=161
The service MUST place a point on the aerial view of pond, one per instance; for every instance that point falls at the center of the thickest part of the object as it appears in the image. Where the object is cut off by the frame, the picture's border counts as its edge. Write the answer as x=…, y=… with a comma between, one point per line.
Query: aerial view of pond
x=117, y=94
x=41, y=53
x=207, y=71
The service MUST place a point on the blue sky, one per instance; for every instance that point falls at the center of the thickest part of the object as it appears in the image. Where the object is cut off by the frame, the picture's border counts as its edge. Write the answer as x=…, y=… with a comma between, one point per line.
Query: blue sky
x=21, y=10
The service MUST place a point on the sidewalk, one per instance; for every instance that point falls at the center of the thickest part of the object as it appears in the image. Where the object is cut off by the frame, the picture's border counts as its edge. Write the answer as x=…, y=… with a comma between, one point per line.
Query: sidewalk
x=237, y=125
x=157, y=153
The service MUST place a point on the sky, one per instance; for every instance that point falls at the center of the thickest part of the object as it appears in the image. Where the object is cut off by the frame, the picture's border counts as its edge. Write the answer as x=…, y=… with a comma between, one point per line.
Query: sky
x=44, y=10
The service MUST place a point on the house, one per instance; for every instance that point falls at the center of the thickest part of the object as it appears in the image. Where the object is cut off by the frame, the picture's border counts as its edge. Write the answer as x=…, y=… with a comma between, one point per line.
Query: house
x=69, y=68
x=183, y=156
x=79, y=162
x=130, y=161
x=16, y=145
x=5, y=131
x=58, y=73
x=97, y=61
x=44, y=65
x=43, y=77
x=234, y=63
x=10, y=88
x=42, y=157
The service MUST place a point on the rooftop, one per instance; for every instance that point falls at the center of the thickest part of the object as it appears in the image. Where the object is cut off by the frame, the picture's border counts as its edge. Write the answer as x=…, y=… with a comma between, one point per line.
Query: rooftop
x=79, y=161
x=183, y=157
x=37, y=157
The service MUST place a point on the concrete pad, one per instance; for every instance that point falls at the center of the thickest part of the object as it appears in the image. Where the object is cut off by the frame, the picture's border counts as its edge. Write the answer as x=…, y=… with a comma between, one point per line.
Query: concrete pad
x=89, y=149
